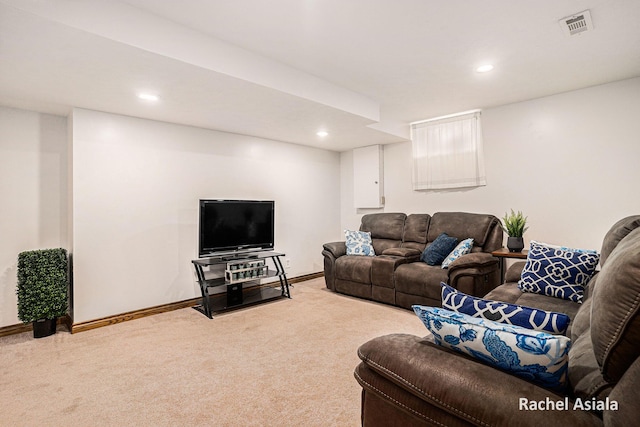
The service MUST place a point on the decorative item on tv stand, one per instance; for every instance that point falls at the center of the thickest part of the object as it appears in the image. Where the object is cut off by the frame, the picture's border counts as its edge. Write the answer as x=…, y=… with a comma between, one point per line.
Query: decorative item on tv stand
x=244, y=270
x=514, y=225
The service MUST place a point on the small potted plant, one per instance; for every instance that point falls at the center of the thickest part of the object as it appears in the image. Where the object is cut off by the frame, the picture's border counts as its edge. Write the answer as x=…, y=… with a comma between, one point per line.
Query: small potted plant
x=42, y=289
x=515, y=226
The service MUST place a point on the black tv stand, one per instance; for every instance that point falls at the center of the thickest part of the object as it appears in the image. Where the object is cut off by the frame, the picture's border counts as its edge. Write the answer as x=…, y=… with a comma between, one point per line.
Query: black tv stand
x=242, y=279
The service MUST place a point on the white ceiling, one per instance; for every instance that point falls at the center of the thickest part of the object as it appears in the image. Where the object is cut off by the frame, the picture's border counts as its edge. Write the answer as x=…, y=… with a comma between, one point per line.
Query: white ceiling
x=283, y=69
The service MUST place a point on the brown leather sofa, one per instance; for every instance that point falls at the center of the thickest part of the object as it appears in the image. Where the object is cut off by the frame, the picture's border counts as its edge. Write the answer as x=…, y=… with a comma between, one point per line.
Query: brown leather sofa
x=408, y=380
x=397, y=276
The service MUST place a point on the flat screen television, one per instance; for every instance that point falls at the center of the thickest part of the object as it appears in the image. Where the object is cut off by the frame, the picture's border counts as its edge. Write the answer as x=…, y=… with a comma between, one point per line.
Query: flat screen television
x=228, y=226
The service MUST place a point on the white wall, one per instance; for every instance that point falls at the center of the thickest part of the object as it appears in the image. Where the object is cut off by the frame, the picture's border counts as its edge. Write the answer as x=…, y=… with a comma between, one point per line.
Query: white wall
x=568, y=161
x=33, y=193
x=136, y=185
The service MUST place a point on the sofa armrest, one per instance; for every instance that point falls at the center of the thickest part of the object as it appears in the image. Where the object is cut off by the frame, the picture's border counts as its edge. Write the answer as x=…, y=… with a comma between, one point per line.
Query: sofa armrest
x=410, y=253
x=474, y=260
x=337, y=249
x=455, y=386
x=475, y=274
x=331, y=252
x=514, y=272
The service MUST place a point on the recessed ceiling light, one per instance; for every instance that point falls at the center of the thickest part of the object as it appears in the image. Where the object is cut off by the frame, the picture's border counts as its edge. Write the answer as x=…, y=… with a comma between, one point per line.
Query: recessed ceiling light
x=148, y=97
x=322, y=133
x=484, y=68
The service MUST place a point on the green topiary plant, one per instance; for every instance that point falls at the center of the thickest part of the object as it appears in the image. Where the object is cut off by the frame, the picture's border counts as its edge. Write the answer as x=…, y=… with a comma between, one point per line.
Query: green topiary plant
x=514, y=224
x=42, y=284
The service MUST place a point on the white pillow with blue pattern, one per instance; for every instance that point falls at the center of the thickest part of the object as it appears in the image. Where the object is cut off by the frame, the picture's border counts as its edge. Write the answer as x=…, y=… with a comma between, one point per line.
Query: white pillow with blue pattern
x=534, y=356
x=359, y=243
x=502, y=312
x=463, y=248
x=558, y=271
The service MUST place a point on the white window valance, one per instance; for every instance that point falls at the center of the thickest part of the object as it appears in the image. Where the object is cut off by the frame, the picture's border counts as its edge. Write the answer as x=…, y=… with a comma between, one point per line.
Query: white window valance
x=448, y=152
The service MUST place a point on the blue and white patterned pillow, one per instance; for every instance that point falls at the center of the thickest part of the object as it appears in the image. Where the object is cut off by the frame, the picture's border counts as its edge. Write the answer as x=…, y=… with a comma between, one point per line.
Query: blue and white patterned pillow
x=558, y=272
x=463, y=248
x=535, y=356
x=502, y=312
x=359, y=243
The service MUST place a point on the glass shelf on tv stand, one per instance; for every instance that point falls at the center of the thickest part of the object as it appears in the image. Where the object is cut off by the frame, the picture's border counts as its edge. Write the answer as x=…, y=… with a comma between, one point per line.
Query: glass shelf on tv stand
x=213, y=275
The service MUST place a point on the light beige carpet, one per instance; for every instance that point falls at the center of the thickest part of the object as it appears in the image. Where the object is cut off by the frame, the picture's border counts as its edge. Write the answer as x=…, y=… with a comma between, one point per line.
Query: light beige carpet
x=284, y=363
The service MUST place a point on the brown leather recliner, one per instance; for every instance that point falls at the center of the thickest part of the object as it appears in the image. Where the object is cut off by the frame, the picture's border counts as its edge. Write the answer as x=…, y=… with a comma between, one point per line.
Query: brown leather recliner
x=397, y=276
x=408, y=380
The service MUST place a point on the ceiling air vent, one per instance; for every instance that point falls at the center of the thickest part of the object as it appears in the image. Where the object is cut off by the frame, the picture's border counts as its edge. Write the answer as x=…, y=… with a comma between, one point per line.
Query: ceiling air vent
x=576, y=24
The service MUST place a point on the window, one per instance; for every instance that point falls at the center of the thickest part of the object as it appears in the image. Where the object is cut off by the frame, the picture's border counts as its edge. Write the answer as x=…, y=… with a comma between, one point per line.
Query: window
x=447, y=152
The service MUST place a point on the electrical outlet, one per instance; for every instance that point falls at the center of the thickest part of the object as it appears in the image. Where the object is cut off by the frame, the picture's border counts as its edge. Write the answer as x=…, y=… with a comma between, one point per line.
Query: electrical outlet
x=287, y=263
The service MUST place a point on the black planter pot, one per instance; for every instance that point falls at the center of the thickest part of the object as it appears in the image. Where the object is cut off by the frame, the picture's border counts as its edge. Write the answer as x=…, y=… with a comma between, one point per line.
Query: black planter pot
x=515, y=244
x=44, y=327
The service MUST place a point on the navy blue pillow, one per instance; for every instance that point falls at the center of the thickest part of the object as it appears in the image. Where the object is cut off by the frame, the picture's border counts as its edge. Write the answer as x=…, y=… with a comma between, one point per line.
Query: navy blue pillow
x=437, y=251
x=502, y=312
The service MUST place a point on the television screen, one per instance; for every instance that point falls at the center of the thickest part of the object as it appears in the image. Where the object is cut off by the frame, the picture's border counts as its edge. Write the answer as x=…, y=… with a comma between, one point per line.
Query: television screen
x=235, y=225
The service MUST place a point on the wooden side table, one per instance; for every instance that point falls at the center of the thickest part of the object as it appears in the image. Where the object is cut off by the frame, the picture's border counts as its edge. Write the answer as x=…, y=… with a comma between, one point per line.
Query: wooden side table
x=503, y=253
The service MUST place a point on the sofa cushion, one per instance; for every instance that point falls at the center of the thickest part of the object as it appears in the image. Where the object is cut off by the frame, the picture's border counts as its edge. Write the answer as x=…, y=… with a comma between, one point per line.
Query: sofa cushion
x=354, y=268
x=509, y=292
x=502, y=312
x=535, y=356
x=436, y=252
x=615, y=311
x=415, y=231
x=384, y=225
x=584, y=372
x=616, y=233
x=582, y=320
x=463, y=225
x=463, y=248
x=558, y=272
x=359, y=243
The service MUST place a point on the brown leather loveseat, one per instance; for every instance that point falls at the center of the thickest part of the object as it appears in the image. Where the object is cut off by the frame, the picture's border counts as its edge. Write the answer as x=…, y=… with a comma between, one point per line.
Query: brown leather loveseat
x=397, y=276
x=408, y=380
